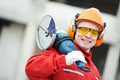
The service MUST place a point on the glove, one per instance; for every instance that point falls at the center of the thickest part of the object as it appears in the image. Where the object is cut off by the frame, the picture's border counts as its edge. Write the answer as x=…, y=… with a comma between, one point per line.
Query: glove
x=74, y=56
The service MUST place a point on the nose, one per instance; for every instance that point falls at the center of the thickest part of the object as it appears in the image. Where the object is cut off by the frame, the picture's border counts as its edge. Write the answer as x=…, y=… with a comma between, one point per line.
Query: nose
x=88, y=35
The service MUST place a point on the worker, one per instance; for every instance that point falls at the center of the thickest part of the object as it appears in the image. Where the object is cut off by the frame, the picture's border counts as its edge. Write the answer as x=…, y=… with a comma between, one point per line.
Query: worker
x=86, y=32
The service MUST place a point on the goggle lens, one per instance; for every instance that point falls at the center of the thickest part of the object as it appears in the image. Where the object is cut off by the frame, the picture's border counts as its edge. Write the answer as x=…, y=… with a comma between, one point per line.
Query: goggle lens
x=84, y=31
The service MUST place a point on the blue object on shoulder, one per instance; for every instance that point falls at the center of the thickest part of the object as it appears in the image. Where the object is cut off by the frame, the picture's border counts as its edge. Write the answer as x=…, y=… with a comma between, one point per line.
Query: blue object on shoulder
x=64, y=44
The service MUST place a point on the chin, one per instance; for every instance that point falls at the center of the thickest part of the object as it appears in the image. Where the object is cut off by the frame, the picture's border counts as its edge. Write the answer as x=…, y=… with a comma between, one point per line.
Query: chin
x=86, y=47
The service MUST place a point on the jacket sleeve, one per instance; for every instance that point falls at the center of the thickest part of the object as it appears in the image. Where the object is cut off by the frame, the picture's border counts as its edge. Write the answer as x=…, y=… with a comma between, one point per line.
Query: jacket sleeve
x=44, y=64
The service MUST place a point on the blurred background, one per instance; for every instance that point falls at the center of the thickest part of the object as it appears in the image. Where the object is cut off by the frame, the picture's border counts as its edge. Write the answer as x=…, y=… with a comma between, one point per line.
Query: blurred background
x=19, y=20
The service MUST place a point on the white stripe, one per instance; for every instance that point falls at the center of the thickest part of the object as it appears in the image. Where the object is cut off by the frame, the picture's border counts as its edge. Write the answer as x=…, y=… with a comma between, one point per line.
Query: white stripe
x=73, y=71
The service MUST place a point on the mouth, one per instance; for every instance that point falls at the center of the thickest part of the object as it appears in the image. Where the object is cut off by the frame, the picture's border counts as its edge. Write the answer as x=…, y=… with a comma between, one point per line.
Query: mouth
x=86, y=41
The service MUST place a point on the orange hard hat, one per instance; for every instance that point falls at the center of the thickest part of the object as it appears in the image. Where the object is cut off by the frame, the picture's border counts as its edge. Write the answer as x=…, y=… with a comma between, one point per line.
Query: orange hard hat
x=92, y=15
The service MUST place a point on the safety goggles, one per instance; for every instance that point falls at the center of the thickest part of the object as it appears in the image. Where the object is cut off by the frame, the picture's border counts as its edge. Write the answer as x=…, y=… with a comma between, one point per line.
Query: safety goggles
x=85, y=31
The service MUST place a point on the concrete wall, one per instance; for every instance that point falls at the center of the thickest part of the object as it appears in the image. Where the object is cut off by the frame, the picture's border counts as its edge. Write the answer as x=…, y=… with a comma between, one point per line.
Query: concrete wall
x=10, y=50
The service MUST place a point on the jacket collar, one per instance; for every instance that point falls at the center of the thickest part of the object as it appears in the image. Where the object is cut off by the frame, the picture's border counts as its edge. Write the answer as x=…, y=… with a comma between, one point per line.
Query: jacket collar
x=86, y=54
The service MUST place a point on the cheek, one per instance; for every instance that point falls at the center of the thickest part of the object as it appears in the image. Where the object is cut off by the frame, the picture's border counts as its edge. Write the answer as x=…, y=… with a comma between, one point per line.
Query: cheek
x=93, y=41
x=78, y=38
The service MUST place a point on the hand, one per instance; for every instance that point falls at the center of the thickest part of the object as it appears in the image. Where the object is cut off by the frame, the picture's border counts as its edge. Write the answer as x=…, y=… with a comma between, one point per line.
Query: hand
x=74, y=56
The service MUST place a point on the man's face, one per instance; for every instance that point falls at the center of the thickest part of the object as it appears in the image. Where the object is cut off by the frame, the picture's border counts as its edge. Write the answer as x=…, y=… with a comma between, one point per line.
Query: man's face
x=86, y=35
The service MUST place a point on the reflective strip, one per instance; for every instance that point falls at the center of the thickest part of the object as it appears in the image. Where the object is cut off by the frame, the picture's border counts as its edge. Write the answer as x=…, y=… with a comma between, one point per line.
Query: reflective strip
x=73, y=71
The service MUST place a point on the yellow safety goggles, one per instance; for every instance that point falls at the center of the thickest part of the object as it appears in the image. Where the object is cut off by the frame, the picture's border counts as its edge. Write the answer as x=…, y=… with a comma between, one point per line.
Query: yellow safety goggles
x=84, y=31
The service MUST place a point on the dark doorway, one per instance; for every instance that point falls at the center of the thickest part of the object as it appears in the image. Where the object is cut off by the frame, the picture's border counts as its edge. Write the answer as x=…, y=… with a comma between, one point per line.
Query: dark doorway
x=99, y=56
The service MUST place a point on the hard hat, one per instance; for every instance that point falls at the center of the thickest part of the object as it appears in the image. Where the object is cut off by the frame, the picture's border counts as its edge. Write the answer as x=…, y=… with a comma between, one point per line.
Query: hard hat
x=92, y=15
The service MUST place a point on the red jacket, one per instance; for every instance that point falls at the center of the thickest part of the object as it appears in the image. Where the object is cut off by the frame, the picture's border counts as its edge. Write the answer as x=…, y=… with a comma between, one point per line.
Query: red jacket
x=51, y=65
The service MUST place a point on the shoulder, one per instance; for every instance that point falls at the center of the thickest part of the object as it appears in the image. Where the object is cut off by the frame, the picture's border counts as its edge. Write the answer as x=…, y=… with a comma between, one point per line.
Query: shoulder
x=49, y=52
x=44, y=54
